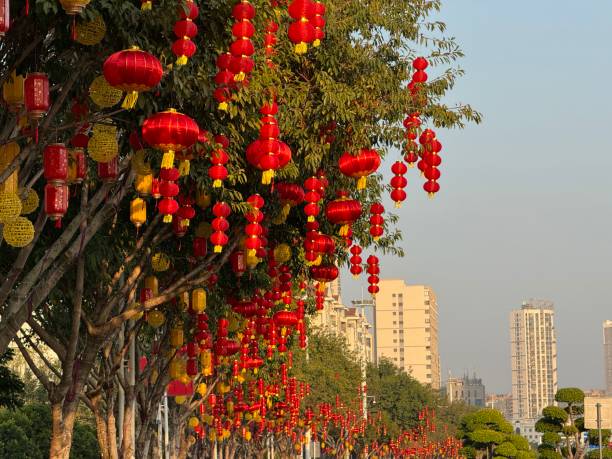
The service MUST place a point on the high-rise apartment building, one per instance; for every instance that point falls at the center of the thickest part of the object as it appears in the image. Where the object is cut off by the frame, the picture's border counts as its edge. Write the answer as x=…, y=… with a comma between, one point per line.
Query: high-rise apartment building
x=471, y=391
x=406, y=321
x=534, y=359
x=607, y=340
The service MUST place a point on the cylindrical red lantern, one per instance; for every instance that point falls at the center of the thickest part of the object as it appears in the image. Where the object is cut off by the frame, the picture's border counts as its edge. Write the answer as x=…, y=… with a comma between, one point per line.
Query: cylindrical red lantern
x=55, y=163
x=5, y=16
x=77, y=165
x=56, y=201
x=36, y=95
x=108, y=172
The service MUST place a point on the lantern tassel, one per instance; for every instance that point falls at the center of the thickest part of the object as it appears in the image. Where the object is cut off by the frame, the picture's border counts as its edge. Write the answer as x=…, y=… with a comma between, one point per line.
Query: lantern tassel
x=240, y=76
x=182, y=60
x=344, y=229
x=217, y=248
x=168, y=160
x=267, y=176
x=146, y=6
x=130, y=100
x=184, y=167
x=167, y=218
x=217, y=183
x=58, y=223
x=223, y=106
x=311, y=218
x=36, y=134
x=73, y=29
x=361, y=182
x=398, y=204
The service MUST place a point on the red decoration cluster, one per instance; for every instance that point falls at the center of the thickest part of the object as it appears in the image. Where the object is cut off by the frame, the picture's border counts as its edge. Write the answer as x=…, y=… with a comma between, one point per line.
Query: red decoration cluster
x=185, y=213
x=224, y=79
x=253, y=229
x=308, y=24
x=356, y=260
x=55, y=169
x=398, y=182
x=184, y=30
x=242, y=48
x=270, y=41
x=267, y=153
x=376, y=220
x=430, y=160
x=220, y=225
x=219, y=158
x=168, y=189
x=373, y=271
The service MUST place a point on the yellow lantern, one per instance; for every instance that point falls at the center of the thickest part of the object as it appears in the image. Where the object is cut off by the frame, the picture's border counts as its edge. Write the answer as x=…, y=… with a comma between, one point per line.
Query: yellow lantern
x=212, y=435
x=177, y=335
x=202, y=389
x=198, y=300
x=252, y=260
x=103, y=94
x=92, y=32
x=206, y=362
x=174, y=369
x=138, y=212
x=160, y=262
x=73, y=7
x=152, y=283
x=180, y=399
x=143, y=184
x=282, y=253
x=155, y=318
x=12, y=91
x=8, y=153
x=18, y=232
x=103, y=146
x=29, y=201
x=202, y=199
x=10, y=206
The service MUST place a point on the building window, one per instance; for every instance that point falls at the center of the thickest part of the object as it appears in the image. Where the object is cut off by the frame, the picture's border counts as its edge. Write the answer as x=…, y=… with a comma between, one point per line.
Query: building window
x=393, y=295
x=394, y=313
x=428, y=367
x=394, y=331
x=395, y=341
x=395, y=350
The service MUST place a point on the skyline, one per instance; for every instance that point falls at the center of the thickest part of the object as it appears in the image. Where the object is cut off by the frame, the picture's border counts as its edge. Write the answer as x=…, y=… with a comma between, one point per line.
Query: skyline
x=520, y=214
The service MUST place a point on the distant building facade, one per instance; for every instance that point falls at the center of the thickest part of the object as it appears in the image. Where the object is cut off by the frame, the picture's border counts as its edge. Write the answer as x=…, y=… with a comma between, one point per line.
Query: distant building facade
x=526, y=429
x=534, y=359
x=406, y=321
x=607, y=342
x=471, y=391
x=502, y=403
x=348, y=322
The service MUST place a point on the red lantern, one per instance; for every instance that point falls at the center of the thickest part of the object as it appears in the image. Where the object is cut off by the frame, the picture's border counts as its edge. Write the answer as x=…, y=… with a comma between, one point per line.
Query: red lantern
x=398, y=182
x=373, y=271
x=36, y=95
x=77, y=164
x=376, y=220
x=170, y=131
x=254, y=229
x=224, y=79
x=324, y=273
x=199, y=247
x=360, y=165
x=318, y=22
x=183, y=49
x=270, y=41
x=219, y=158
x=108, y=172
x=218, y=238
x=312, y=197
x=133, y=71
x=301, y=31
x=343, y=211
x=356, y=260
x=285, y=319
x=56, y=201
x=242, y=48
x=5, y=16
x=238, y=262
x=55, y=163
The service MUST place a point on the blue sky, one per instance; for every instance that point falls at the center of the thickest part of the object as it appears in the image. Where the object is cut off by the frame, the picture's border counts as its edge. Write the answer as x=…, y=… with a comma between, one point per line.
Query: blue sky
x=525, y=208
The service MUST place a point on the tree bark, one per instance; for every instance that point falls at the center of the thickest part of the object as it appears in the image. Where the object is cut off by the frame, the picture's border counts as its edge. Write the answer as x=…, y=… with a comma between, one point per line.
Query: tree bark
x=101, y=428
x=62, y=428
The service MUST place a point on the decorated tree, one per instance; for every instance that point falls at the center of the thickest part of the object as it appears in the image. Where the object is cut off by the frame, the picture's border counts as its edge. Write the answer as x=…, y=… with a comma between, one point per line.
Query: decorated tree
x=192, y=228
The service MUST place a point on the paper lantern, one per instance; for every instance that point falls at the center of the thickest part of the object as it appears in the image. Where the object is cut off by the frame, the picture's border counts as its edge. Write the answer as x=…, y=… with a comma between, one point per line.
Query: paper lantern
x=36, y=95
x=359, y=166
x=73, y=7
x=18, y=232
x=92, y=32
x=10, y=206
x=343, y=211
x=55, y=163
x=282, y=253
x=30, y=201
x=12, y=89
x=77, y=165
x=109, y=171
x=160, y=262
x=170, y=131
x=301, y=31
x=155, y=318
x=133, y=71
x=56, y=201
x=103, y=94
x=143, y=184
x=138, y=212
x=5, y=16
x=219, y=238
x=103, y=146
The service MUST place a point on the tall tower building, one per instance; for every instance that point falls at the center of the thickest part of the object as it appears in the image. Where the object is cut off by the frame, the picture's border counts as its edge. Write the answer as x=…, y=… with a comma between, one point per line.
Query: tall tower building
x=534, y=359
x=607, y=339
x=406, y=321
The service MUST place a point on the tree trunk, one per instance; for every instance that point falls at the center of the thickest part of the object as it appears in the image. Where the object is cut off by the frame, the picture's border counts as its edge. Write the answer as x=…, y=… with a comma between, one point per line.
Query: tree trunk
x=112, y=429
x=127, y=444
x=62, y=418
x=101, y=429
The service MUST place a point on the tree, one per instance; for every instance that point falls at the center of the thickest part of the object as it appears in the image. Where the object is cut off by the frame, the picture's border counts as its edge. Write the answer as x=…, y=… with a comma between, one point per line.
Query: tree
x=354, y=82
x=594, y=436
x=12, y=388
x=561, y=426
x=485, y=433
